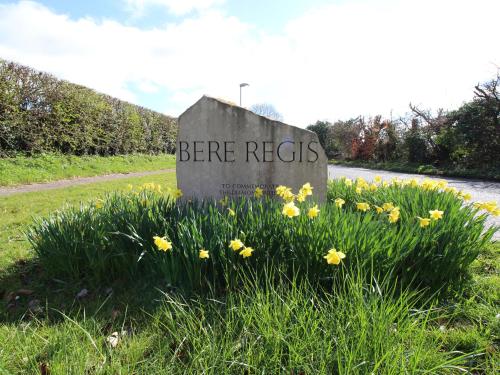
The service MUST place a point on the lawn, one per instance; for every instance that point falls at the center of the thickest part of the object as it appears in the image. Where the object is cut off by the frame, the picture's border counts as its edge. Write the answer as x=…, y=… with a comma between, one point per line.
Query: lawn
x=122, y=328
x=51, y=167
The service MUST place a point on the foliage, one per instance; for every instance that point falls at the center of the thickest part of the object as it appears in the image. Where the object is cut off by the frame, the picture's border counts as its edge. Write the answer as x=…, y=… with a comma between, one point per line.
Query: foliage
x=45, y=167
x=39, y=113
x=267, y=328
x=113, y=239
x=465, y=138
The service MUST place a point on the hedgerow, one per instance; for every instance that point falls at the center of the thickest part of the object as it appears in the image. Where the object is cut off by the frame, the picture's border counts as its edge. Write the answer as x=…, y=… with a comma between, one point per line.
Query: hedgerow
x=420, y=234
x=39, y=113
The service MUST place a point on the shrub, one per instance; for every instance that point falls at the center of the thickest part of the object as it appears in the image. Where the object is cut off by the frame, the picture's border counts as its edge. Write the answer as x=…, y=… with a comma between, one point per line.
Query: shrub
x=114, y=239
x=39, y=113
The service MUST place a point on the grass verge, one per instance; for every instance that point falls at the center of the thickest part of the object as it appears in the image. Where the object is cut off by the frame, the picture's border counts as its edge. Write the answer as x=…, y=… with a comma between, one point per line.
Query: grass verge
x=47, y=323
x=493, y=175
x=51, y=167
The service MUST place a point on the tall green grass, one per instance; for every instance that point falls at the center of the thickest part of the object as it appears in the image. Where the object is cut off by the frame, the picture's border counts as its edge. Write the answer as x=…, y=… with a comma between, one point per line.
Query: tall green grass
x=113, y=240
x=267, y=328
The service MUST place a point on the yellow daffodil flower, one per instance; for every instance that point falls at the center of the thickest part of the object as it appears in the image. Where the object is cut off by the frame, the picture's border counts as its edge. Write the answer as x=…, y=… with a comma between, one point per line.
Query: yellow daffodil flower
x=379, y=209
x=334, y=257
x=301, y=197
x=236, y=244
x=258, y=192
x=348, y=182
x=231, y=212
x=359, y=190
x=363, y=206
x=204, y=254
x=99, y=203
x=388, y=206
x=465, y=196
x=373, y=187
x=224, y=201
x=307, y=189
x=288, y=196
x=378, y=179
x=162, y=243
x=177, y=193
x=423, y=221
x=280, y=190
x=246, y=252
x=436, y=214
x=291, y=210
x=313, y=212
x=394, y=216
x=339, y=202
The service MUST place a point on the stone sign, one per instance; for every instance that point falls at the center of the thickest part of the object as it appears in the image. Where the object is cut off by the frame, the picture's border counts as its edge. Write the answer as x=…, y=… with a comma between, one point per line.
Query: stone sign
x=226, y=150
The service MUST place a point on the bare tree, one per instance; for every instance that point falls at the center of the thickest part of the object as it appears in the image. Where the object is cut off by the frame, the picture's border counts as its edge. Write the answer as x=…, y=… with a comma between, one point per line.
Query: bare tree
x=267, y=110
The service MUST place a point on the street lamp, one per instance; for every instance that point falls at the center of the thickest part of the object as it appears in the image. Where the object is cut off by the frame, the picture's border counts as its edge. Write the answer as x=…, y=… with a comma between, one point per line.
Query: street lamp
x=242, y=85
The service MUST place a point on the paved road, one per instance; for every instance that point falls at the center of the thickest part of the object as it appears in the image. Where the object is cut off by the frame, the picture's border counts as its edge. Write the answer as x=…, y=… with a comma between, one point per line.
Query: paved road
x=480, y=190
x=5, y=191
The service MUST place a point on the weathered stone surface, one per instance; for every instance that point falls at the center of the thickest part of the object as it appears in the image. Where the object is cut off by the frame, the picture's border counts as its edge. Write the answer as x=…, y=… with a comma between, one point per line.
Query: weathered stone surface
x=226, y=150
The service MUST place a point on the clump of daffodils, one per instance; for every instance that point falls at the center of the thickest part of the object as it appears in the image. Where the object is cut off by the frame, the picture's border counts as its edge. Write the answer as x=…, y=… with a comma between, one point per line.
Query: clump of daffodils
x=490, y=207
x=237, y=245
x=289, y=208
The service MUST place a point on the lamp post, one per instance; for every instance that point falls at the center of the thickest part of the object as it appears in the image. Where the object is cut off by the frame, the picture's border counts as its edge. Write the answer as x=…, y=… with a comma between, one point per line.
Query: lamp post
x=241, y=86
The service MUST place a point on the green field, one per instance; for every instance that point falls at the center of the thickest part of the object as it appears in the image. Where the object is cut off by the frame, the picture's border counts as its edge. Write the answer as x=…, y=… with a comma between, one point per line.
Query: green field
x=51, y=167
x=288, y=329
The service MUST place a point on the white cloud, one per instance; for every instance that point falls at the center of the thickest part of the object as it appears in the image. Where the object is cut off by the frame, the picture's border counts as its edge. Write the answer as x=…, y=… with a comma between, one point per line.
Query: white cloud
x=333, y=62
x=177, y=7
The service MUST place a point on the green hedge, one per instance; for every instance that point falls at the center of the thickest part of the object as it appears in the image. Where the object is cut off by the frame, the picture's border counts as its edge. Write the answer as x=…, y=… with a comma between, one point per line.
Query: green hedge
x=39, y=113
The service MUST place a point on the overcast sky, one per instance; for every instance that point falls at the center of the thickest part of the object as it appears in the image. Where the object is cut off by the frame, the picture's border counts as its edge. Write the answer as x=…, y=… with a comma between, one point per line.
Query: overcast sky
x=312, y=59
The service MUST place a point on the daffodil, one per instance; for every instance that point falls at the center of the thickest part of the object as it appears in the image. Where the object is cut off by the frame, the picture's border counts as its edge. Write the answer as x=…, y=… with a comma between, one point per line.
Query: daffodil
x=224, y=201
x=162, y=243
x=363, y=206
x=379, y=209
x=378, y=179
x=423, y=221
x=130, y=187
x=280, y=190
x=291, y=210
x=339, y=202
x=334, y=256
x=394, y=216
x=465, y=196
x=236, y=244
x=496, y=212
x=413, y=182
x=436, y=214
x=347, y=181
x=98, y=203
x=258, y=192
x=307, y=189
x=177, y=193
x=204, y=254
x=388, y=206
x=301, y=197
x=288, y=196
x=246, y=252
x=359, y=190
x=231, y=212
x=373, y=187
x=313, y=212
x=441, y=184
